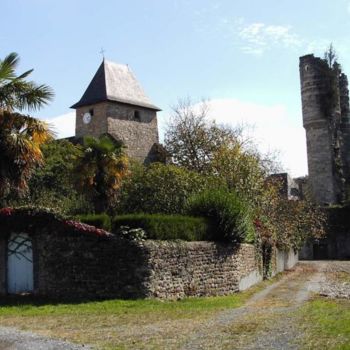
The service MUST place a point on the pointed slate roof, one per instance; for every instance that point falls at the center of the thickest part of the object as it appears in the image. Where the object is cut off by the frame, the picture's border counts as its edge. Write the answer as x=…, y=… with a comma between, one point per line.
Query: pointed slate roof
x=115, y=82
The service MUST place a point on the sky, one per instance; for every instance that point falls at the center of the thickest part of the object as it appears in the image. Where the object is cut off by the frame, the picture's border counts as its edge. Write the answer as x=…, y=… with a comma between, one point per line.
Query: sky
x=242, y=55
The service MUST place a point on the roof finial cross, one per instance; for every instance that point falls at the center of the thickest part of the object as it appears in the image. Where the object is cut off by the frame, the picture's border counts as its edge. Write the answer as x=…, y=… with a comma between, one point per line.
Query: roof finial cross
x=102, y=52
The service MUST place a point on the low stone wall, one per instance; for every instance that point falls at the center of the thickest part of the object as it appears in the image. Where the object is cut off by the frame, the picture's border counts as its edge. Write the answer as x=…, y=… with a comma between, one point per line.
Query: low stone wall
x=76, y=265
x=76, y=261
x=179, y=269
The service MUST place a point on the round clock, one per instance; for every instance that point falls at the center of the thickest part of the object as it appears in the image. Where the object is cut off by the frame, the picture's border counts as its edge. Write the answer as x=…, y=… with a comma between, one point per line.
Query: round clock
x=87, y=118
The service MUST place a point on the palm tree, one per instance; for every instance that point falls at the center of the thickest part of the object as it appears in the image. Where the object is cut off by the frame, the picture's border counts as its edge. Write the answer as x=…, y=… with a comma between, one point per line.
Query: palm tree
x=20, y=136
x=18, y=93
x=20, y=140
x=100, y=170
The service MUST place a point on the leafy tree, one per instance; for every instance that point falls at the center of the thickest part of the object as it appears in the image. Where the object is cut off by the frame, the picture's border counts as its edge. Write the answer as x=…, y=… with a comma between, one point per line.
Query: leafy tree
x=192, y=139
x=100, y=169
x=16, y=93
x=20, y=136
x=53, y=184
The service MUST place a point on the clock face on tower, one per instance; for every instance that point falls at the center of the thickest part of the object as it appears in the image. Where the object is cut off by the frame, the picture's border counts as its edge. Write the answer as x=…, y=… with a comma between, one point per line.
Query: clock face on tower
x=87, y=118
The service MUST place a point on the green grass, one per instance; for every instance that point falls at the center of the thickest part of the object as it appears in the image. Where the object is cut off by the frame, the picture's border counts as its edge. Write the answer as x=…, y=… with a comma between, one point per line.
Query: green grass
x=326, y=324
x=119, y=324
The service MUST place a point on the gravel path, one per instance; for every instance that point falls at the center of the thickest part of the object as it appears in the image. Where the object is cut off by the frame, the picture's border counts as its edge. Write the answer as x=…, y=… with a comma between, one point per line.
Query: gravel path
x=267, y=320
x=13, y=339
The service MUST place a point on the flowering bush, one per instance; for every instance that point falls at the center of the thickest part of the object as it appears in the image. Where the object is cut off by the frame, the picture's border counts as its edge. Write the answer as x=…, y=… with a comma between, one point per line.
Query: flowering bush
x=6, y=211
x=85, y=228
x=32, y=219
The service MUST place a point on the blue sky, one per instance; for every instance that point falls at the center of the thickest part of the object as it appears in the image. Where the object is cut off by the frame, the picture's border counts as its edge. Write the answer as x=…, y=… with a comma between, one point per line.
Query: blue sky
x=242, y=55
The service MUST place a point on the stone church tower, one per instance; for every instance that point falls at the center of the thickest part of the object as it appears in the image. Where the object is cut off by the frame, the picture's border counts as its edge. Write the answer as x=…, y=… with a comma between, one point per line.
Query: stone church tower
x=114, y=103
x=325, y=104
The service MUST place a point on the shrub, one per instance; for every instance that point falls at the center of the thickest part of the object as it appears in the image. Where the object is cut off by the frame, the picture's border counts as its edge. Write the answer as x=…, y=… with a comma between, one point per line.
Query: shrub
x=229, y=215
x=160, y=188
x=98, y=220
x=165, y=227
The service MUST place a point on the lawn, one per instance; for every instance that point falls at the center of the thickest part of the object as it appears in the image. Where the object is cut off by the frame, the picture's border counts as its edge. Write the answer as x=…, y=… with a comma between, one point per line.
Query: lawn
x=326, y=324
x=118, y=324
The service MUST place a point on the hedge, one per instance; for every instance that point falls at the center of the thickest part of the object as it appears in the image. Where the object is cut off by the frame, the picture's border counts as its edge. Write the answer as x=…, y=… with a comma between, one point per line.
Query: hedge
x=166, y=227
x=98, y=220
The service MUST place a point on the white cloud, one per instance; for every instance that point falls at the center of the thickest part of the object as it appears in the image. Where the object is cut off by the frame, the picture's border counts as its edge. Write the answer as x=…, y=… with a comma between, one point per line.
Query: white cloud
x=274, y=129
x=258, y=37
x=63, y=125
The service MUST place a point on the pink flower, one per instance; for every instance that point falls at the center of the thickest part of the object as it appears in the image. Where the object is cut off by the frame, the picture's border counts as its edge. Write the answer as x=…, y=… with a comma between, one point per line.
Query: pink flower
x=6, y=211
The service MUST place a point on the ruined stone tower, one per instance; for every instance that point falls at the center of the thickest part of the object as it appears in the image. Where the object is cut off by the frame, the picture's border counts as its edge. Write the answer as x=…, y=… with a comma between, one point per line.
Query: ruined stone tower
x=114, y=103
x=325, y=104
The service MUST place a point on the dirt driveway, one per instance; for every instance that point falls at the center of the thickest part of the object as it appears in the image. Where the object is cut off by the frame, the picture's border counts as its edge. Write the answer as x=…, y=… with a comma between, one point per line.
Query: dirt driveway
x=268, y=320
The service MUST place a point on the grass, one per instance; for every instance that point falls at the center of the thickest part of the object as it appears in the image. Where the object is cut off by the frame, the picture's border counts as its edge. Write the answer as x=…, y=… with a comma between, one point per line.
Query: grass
x=326, y=324
x=118, y=324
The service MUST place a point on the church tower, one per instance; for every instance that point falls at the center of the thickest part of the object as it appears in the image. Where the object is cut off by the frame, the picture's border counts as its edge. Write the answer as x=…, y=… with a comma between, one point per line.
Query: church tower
x=114, y=103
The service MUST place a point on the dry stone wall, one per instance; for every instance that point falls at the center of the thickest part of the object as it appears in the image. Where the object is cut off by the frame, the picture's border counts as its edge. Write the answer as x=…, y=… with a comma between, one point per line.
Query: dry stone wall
x=200, y=269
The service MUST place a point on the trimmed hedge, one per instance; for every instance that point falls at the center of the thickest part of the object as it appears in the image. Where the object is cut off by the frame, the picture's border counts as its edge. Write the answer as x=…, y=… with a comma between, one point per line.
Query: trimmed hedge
x=165, y=227
x=98, y=220
x=227, y=212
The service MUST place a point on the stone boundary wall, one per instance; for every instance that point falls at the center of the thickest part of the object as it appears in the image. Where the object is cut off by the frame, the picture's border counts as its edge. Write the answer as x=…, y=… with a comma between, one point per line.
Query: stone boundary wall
x=73, y=265
x=180, y=269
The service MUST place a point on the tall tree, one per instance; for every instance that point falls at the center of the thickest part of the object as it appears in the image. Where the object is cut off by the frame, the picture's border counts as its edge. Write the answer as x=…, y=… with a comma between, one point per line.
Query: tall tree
x=100, y=170
x=20, y=136
x=192, y=139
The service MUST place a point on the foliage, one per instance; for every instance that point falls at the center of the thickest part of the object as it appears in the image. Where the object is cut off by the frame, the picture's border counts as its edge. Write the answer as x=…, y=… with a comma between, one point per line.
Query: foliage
x=100, y=169
x=98, y=220
x=132, y=234
x=241, y=170
x=192, y=139
x=20, y=140
x=287, y=223
x=229, y=215
x=52, y=184
x=18, y=93
x=160, y=188
x=165, y=227
x=31, y=220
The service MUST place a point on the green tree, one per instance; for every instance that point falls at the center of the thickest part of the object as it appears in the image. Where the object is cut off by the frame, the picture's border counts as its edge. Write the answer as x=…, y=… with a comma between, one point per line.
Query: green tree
x=100, y=169
x=20, y=136
x=192, y=139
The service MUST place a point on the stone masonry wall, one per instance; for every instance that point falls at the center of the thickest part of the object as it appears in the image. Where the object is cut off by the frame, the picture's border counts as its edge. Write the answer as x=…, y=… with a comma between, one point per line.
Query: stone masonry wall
x=135, y=126
x=75, y=266
x=325, y=104
x=98, y=124
x=138, y=135
x=200, y=269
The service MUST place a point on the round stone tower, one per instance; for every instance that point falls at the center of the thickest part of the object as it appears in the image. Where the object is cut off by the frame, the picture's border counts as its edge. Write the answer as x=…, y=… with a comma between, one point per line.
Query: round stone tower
x=319, y=113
